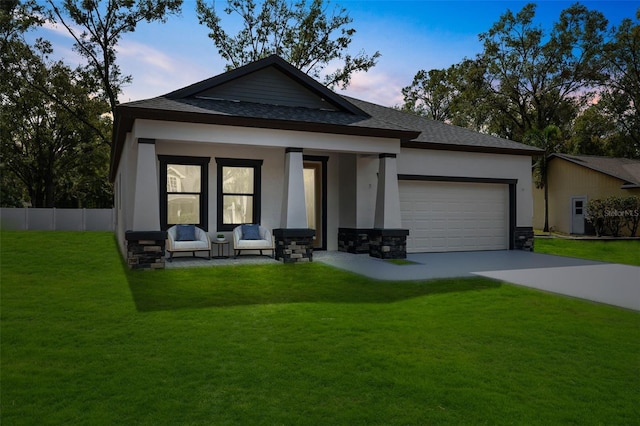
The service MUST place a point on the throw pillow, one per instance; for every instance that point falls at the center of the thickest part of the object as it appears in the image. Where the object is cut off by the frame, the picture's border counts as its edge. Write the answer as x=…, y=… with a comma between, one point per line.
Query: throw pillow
x=250, y=232
x=186, y=233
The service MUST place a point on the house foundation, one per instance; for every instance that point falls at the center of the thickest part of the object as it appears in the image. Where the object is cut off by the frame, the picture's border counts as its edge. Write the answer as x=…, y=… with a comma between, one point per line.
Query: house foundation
x=294, y=245
x=388, y=243
x=353, y=240
x=523, y=238
x=145, y=249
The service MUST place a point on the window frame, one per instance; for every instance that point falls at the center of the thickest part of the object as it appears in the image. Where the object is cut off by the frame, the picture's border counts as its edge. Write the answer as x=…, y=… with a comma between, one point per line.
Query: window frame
x=180, y=160
x=257, y=190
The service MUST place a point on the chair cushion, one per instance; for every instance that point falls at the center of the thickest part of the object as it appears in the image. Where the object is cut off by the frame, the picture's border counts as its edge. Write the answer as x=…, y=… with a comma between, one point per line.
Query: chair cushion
x=190, y=245
x=250, y=232
x=185, y=232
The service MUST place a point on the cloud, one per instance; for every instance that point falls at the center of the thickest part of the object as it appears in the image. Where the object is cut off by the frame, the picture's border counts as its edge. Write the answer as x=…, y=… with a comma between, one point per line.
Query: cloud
x=147, y=55
x=154, y=72
x=377, y=86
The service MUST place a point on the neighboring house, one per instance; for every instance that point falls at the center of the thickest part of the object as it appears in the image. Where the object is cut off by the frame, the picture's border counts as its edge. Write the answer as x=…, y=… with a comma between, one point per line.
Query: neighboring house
x=574, y=180
x=273, y=146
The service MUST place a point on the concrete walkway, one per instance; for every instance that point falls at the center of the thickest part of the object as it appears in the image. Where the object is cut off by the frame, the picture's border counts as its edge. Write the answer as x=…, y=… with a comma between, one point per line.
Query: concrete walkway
x=609, y=283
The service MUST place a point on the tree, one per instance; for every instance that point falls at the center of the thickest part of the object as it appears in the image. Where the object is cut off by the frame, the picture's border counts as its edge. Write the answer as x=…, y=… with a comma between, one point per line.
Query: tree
x=620, y=98
x=307, y=35
x=101, y=25
x=45, y=146
x=455, y=95
x=547, y=139
x=50, y=121
x=537, y=79
x=593, y=133
x=431, y=94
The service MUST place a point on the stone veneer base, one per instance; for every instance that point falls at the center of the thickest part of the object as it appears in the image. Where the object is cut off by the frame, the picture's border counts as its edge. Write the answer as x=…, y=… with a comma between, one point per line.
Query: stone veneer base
x=145, y=249
x=388, y=243
x=523, y=238
x=294, y=245
x=353, y=240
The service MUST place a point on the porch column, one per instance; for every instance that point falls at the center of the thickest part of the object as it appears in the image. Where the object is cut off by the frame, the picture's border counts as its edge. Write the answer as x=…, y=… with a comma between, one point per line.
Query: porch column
x=387, y=198
x=146, y=242
x=388, y=240
x=294, y=208
x=294, y=240
x=146, y=203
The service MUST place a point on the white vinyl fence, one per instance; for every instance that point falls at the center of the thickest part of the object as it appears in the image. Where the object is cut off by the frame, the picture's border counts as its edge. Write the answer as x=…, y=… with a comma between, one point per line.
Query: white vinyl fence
x=26, y=219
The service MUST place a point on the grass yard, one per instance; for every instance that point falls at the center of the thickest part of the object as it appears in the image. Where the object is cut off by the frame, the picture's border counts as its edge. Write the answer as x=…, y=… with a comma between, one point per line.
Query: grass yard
x=622, y=251
x=85, y=341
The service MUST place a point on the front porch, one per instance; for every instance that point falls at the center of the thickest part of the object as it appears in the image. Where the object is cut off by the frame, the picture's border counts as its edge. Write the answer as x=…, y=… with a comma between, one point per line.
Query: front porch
x=303, y=196
x=188, y=261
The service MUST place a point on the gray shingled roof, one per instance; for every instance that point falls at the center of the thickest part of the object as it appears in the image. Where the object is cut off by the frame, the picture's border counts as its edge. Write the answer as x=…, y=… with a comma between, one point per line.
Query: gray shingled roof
x=438, y=132
x=625, y=169
x=195, y=105
x=432, y=134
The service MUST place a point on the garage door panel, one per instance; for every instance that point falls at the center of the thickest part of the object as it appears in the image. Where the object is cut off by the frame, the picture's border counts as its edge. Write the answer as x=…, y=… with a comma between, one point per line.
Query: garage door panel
x=453, y=216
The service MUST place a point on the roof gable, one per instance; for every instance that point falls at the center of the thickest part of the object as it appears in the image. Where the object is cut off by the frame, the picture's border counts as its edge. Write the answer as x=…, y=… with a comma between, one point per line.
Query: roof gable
x=268, y=86
x=271, y=81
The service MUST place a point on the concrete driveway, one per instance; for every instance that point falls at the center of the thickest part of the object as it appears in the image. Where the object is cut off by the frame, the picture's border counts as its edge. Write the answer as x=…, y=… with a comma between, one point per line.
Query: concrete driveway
x=609, y=283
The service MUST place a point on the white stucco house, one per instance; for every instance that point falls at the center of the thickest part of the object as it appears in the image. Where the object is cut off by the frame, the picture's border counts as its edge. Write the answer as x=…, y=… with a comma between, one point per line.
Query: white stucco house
x=267, y=144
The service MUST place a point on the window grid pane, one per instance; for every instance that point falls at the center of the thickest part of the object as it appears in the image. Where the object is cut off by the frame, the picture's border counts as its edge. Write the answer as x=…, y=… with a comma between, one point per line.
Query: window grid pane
x=237, y=180
x=183, y=193
x=183, y=209
x=183, y=178
x=237, y=209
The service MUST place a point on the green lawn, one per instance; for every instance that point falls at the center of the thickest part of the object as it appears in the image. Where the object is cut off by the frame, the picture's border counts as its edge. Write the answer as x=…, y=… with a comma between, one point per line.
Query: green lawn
x=85, y=341
x=623, y=251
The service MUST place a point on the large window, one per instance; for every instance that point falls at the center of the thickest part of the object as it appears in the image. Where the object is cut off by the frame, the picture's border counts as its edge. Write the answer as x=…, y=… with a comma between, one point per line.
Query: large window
x=238, y=192
x=183, y=190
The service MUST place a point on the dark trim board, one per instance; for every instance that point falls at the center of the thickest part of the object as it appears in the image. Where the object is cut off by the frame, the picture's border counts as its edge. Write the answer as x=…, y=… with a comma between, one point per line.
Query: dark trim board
x=464, y=179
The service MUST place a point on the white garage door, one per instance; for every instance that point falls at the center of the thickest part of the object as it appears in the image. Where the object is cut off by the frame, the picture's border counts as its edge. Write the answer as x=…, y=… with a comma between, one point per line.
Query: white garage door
x=452, y=216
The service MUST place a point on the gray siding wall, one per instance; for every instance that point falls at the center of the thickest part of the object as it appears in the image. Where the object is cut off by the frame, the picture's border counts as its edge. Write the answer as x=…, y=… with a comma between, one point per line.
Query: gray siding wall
x=268, y=86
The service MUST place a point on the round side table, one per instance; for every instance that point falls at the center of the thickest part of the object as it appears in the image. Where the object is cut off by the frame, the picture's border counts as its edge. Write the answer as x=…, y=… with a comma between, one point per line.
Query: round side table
x=220, y=244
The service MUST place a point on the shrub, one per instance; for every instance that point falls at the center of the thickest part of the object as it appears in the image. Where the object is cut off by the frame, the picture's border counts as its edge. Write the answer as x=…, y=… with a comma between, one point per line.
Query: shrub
x=609, y=216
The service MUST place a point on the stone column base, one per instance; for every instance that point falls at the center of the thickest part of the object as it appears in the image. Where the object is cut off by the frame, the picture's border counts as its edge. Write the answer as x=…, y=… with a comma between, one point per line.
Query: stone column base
x=523, y=238
x=294, y=245
x=353, y=240
x=388, y=243
x=145, y=249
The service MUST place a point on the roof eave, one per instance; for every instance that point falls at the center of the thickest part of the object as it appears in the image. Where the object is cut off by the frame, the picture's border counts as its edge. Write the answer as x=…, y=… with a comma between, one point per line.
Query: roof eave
x=472, y=148
x=125, y=116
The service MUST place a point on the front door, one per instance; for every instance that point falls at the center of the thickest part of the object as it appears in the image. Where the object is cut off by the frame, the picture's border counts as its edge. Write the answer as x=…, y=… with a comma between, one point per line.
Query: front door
x=314, y=182
x=578, y=207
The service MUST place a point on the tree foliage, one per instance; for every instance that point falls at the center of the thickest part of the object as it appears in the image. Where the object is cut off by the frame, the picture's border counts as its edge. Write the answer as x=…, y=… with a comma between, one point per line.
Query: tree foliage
x=97, y=27
x=431, y=94
x=537, y=79
x=578, y=75
x=620, y=98
x=309, y=35
x=50, y=123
